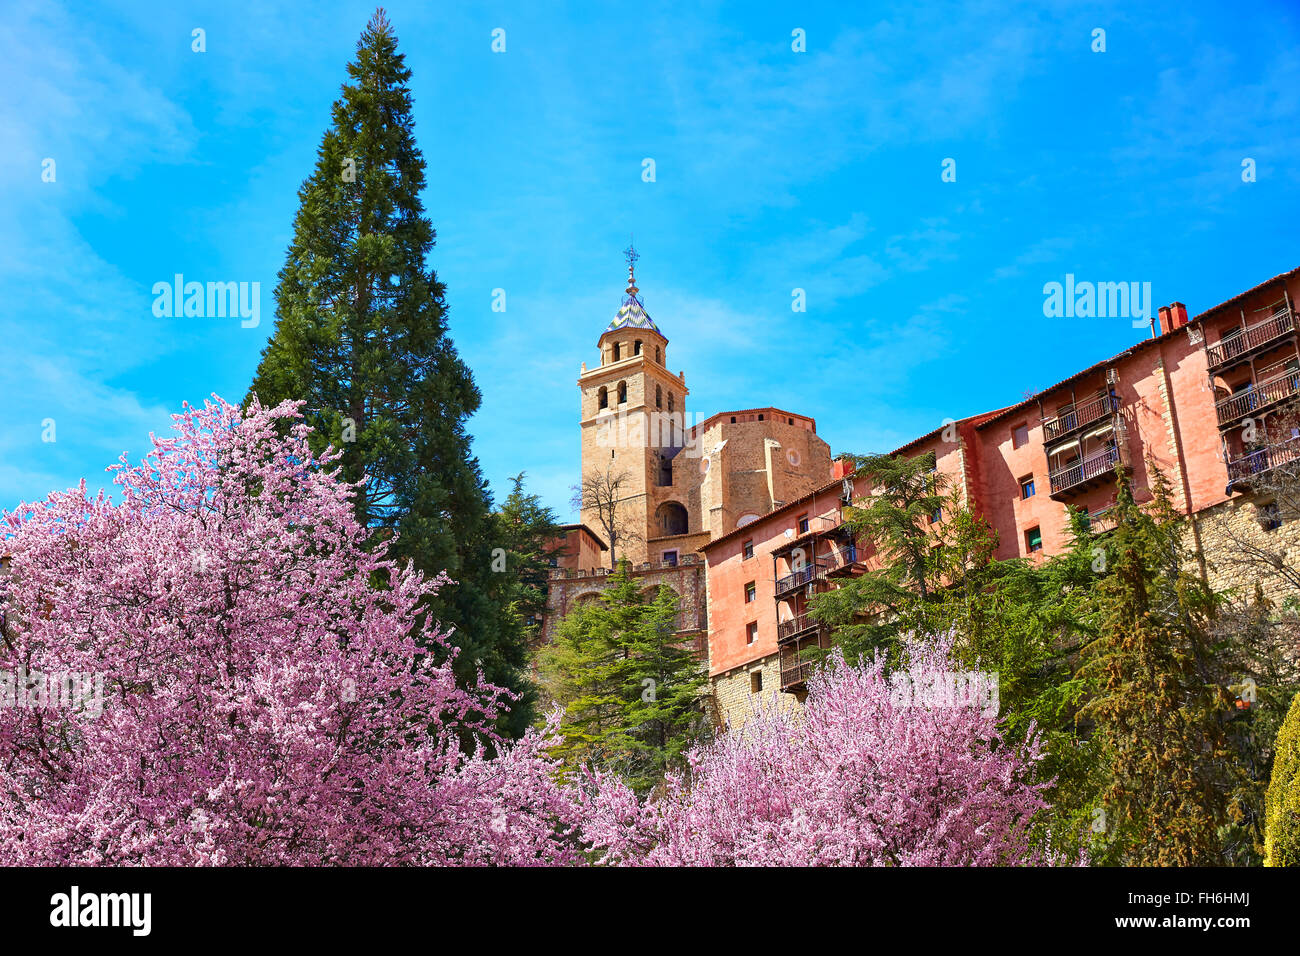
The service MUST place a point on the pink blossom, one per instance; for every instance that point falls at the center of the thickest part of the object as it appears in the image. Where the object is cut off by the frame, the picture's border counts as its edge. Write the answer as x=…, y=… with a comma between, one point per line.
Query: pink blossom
x=860, y=777
x=266, y=702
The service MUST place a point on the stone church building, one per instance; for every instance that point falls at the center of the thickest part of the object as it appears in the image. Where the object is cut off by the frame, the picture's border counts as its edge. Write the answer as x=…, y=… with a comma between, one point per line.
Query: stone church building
x=675, y=481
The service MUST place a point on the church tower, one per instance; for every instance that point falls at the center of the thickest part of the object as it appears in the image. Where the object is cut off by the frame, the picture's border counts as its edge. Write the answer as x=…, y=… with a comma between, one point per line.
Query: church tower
x=633, y=424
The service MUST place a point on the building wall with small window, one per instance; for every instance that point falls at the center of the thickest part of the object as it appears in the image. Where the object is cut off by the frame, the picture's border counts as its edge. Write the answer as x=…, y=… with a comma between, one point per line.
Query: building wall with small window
x=1247, y=522
x=735, y=697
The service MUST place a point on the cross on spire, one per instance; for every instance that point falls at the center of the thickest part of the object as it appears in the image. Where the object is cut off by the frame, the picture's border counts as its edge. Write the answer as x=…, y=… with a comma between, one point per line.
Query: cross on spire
x=632, y=256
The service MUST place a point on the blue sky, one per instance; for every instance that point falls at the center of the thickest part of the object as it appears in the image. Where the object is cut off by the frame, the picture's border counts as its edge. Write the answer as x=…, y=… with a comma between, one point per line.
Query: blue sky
x=775, y=170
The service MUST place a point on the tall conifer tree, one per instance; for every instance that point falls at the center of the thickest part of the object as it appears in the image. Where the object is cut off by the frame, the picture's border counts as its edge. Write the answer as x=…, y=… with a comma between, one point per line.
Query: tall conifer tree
x=361, y=336
x=1156, y=711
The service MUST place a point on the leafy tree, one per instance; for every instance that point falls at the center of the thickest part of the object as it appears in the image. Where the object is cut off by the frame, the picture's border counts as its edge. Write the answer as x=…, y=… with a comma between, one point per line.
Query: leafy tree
x=873, y=773
x=1028, y=623
x=361, y=336
x=1282, y=839
x=873, y=610
x=631, y=691
x=1157, y=710
x=261, y=701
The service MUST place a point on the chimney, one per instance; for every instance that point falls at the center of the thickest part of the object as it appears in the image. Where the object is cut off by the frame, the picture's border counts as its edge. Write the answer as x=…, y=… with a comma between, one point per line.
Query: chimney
x=1179, y=313
x=1166, y=321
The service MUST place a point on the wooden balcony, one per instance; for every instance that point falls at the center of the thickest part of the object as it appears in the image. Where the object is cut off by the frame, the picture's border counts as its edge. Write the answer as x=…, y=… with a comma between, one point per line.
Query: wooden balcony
x=1263, y=460
x=1079, y=416
x=797, y=579
x=795, y=668
x=1242, y=342
x=847, y=564
x=798, y=626
x=1257, y=397
x=1088, y=473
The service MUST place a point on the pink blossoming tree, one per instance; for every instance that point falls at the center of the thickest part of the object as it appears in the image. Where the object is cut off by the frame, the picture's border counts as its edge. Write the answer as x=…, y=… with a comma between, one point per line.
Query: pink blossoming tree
x=265, y=702
x=864, y=776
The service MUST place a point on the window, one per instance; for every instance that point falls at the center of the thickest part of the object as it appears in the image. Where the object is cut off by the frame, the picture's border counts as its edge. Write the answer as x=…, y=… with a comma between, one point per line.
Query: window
x=1020, y=435
x=1027, y=486
x=789, y=421
x=659, y=397
x=636, y=347
x=936, y=515
x=751, y=592
x=733, y=419
x=755, y=682
x=604, y=397
x=672, y=402
x=622, y=392
x=616, y=350
x=670, y=558
x=760, y=418
x=1034, y=540
x=1270, y=516
x=803, y=524
x=748, y=549
x=751, y=632
x=665, y=478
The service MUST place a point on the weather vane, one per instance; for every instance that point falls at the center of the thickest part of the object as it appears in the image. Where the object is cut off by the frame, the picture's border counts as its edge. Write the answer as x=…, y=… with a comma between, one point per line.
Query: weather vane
x=632, y=256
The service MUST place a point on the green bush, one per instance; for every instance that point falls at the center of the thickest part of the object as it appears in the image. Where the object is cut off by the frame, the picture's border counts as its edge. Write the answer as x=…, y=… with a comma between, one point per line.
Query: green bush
x=1282, y=802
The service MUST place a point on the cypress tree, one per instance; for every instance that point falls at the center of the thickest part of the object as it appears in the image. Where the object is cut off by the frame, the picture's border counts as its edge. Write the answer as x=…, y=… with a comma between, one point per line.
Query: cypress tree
x=1157, y=716
x=361, y=337
x=1282, y=809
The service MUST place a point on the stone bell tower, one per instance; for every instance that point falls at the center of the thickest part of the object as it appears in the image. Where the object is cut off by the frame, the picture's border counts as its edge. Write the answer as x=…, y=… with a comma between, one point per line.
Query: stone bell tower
x=633, y=418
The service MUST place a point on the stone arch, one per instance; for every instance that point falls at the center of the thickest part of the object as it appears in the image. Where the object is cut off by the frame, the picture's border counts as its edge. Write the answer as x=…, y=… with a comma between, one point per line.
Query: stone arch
x=603, y=396
x=671, y=517
x=651, y=591
x=622, y=393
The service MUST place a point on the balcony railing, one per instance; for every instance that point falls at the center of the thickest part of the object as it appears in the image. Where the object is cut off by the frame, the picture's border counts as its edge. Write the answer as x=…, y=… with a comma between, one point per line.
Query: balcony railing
x=794, y=670
x=797, y=579
x=1078, y=416
x=1094, y=466
x=1256, y=397
x=1240, y=342
x=797, y=625
x=1264, y=459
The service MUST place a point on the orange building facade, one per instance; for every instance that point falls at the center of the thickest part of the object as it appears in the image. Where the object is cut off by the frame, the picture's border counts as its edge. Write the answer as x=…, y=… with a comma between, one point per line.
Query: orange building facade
x=1198, y=399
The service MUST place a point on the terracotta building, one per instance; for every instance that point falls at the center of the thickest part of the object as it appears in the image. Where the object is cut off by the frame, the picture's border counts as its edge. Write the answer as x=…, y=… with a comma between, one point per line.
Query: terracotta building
x=1195, y=399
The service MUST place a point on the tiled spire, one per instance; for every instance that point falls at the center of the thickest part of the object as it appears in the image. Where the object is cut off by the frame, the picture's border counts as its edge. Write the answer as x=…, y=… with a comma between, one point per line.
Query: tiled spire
x=632, y=314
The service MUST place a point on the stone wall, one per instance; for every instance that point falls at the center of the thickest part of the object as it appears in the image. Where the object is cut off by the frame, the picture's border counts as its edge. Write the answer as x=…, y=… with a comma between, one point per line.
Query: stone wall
x=734, y=697
x=1224, y=528
x=566, y=589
